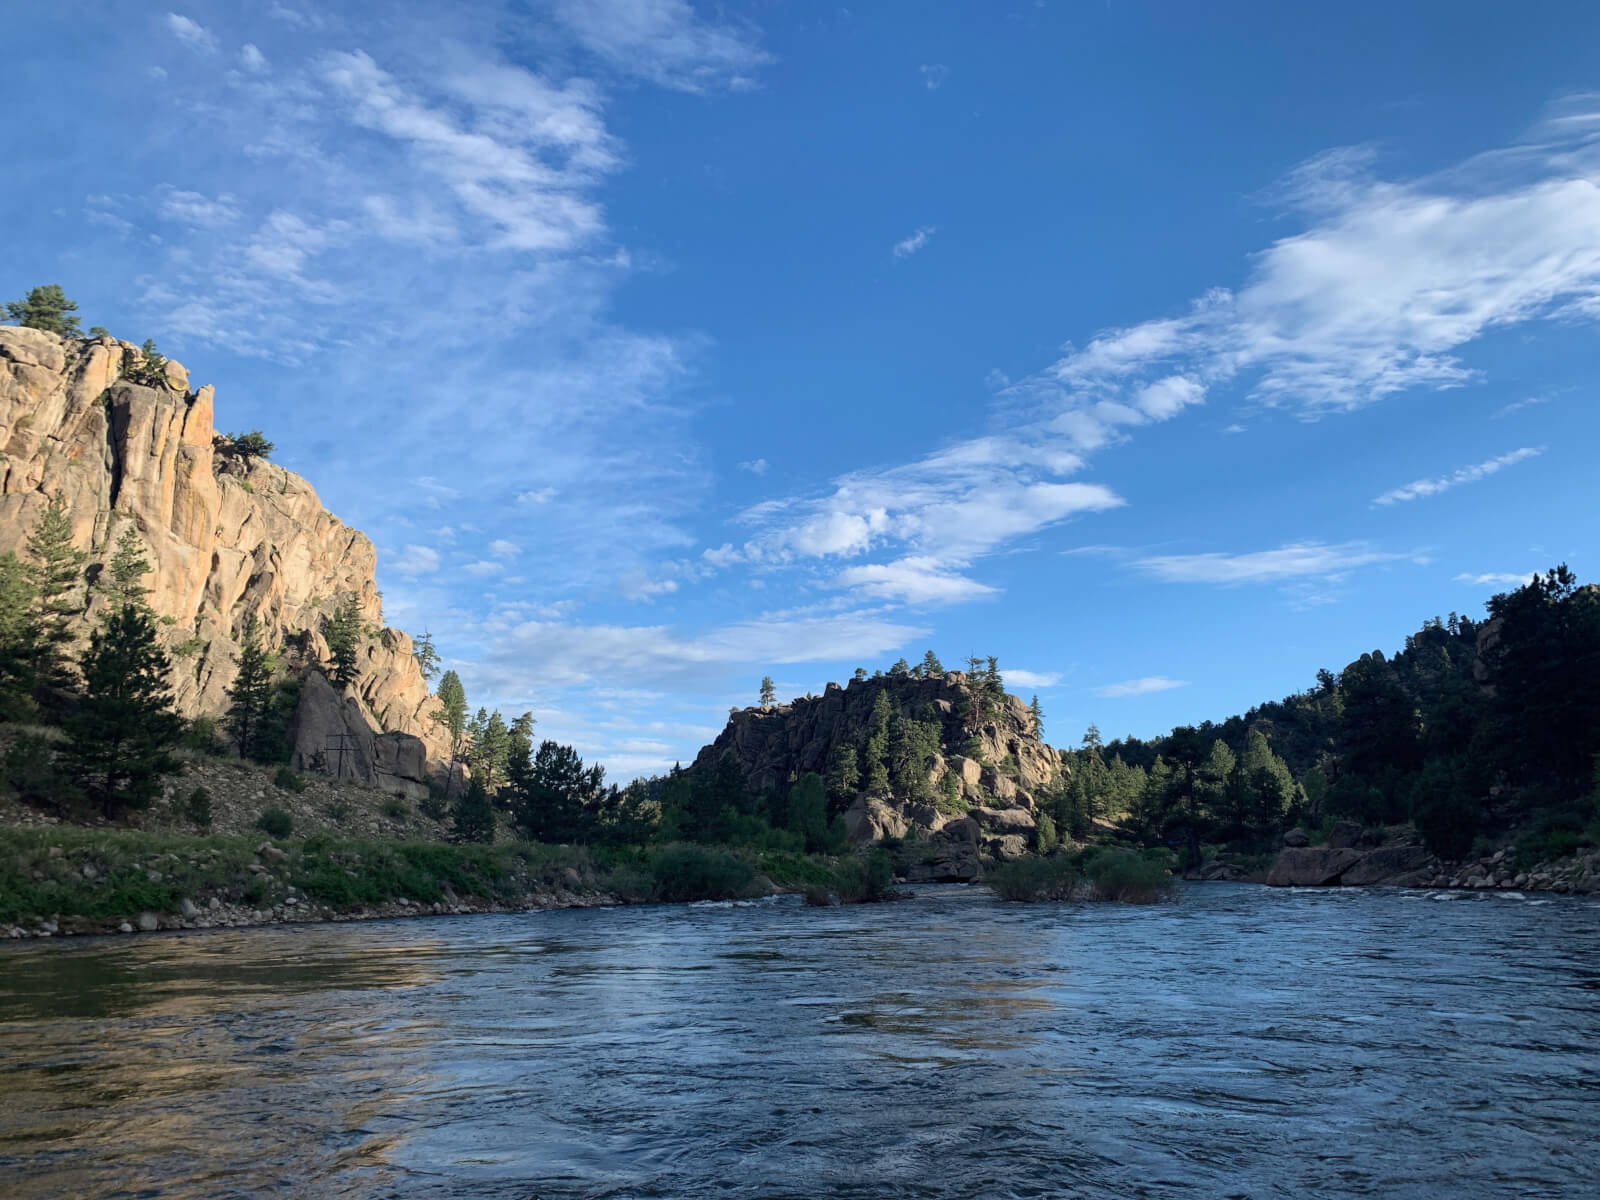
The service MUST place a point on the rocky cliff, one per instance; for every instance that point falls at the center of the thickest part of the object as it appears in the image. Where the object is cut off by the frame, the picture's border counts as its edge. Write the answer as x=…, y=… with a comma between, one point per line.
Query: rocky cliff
x=228, y=537
x=986, y=771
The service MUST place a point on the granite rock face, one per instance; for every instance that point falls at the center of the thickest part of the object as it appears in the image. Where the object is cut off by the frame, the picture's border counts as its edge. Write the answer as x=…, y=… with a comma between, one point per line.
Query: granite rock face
x=228, y=538
x=989, y=746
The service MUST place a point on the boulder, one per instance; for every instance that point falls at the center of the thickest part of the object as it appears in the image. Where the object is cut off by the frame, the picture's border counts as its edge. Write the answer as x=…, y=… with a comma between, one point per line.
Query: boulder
x=1008, y=848
x=871, y=820
x=1390, y=866
x=945, y=861
x=333, y=731
x=1004, y=820
x=1297, y=837
x=1311, y=867
x=1345, y=835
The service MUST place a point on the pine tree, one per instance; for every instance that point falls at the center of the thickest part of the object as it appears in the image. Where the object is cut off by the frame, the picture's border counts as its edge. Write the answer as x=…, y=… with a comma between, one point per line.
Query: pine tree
x=19, y=640
x=519, y=738
x=1037, y=713
x=900, y=667
x=55, y=570
x=250, y=696
x=492, y=752
x=473, y=817
x=451, y=716
x=843, y=774
x=46, y=307
x=128, y=568
x=931, y=666
x=769, y=693
x=861, y=673
x=878, y=745
x=120, y=739
x=427, y=657
x=343, y=633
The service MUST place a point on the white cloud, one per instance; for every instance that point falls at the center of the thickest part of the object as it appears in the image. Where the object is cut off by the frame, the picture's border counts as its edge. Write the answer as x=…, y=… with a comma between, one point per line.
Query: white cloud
x=756, y=466
x=638, y=586
x=912, y=581
x=193, y=208
x=521, y=165
x=571, y=655
x=1031, y=679
x=294, y=17
x=664, y=42
x=907, y=246
x=1139, y=687
x=416, y=560
x=1295, y=561
x=1496, y=578
x=540, y=496
x=252, y=60
x=1419, y=488
x=191, y=33
x=484, y=568
x=933, y=75
x=1519, y=405
x=501, y=548
x=1382, y=287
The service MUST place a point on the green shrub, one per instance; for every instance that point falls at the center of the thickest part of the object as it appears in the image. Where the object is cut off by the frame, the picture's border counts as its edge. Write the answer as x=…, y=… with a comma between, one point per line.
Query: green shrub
x=201, y=734
x=1045, y=833
x=338, y=810
x=197, y=808
x=433, y=805
x=32, y=776
x=396, y=808
x=688, y=872
x=286, y=780
x=1130, y=877
x=275, y=822
x=864, y=879
x=1035, y=879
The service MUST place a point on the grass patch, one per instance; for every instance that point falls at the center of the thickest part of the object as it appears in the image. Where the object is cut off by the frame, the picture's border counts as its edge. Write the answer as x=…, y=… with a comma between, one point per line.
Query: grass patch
x=690, y=872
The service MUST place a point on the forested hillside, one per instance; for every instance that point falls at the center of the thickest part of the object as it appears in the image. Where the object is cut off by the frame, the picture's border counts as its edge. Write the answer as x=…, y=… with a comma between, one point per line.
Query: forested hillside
x=1474, y=728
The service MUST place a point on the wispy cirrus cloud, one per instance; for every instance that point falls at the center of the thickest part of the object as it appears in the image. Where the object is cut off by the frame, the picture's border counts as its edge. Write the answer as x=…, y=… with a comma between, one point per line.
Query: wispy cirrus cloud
x=1139, y=687
x=1417, y=489
x=1496, y=578
x=911, y=243
x=1031, y=679
x=191, y=33
x=1298, y=560
x=665, y=42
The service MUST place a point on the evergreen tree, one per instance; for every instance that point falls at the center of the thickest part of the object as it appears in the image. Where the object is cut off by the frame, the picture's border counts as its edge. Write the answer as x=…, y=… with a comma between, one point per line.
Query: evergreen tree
x=120, y=739
x=900, y=667
x=45, y=307
x=427, y=657
x=877, y=749
x=843, y=774
x=931, y=666
x=992, y=682
x=343, y=632
x=808, y=812
x=769, y=693
x=519, y=738
x=861, y=673
x=128, y=568
x=55, y=569
x=19, y=640
x=473, y=817
x=451, y=716
x=555, y=801
x=492, y=752
x=251, y=695
x=149, y=369
x=1037, y=713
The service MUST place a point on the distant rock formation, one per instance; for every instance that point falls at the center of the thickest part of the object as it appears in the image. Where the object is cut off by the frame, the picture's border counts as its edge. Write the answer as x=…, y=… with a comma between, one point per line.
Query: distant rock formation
x=988, y=746
x=228, y=537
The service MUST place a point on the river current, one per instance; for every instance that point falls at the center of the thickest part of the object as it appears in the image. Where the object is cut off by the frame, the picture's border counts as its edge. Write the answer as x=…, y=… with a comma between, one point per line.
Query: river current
x=1243, y=1042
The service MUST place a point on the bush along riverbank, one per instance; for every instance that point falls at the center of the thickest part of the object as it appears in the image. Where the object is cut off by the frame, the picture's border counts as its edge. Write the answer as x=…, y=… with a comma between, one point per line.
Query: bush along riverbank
x=65, y=880
x=1095, y=873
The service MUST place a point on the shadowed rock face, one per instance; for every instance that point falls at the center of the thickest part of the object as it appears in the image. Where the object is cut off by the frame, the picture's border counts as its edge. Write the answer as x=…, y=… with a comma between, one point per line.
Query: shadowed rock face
x=227, y=538
x=1004, y=777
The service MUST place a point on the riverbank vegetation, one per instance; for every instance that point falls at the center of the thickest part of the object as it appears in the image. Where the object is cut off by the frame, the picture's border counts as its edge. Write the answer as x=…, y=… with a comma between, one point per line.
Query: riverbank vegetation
x=1094, y=873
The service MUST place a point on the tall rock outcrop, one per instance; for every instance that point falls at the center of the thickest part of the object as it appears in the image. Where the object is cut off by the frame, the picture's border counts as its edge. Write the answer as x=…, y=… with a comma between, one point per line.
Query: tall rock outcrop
x=987, y=774
x=228, y=538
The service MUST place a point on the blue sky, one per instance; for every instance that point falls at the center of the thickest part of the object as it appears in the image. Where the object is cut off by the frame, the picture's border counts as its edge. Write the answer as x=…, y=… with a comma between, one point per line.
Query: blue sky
x=1166, y=355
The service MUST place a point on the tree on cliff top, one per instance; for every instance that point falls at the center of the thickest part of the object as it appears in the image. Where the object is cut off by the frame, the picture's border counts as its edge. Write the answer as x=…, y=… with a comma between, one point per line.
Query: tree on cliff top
x=46, y=307
x=769, y=693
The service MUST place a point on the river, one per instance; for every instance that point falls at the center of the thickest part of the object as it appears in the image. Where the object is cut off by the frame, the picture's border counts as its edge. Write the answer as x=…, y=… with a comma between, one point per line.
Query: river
x=1244, y=1042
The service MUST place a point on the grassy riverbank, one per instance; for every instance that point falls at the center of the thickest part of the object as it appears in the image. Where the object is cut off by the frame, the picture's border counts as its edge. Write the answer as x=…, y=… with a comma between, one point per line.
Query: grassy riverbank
x=65, y=879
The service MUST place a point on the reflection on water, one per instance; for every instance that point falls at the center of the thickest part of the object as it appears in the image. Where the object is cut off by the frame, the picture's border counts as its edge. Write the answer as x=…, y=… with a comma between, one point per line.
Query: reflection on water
x=1246, y=1042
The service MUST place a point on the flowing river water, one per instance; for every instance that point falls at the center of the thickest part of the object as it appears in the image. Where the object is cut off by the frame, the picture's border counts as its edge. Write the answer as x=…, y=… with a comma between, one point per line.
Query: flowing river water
x=1243, y=1042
